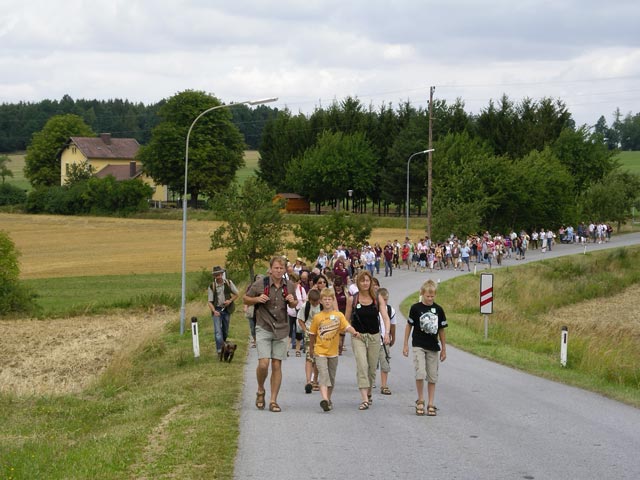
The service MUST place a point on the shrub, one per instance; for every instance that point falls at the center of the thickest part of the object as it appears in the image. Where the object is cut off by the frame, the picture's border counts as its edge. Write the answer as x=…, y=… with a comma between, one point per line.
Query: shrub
x=96, y=195
x=14, y=296
x=11, y=195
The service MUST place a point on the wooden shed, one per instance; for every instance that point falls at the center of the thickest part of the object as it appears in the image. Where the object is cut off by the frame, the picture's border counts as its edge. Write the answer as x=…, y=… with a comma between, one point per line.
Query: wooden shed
x=294, y=203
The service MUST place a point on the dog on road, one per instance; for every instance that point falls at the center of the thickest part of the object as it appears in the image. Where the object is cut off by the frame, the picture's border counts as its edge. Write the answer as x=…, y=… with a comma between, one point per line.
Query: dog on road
x=227, y=352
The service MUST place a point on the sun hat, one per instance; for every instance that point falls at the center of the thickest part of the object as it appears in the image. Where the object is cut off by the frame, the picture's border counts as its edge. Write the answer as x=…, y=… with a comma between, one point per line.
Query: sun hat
x=217, y=269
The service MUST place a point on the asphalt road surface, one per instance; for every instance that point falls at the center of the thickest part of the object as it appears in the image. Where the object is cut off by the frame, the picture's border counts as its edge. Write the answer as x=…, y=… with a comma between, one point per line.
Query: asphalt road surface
x=493, y=422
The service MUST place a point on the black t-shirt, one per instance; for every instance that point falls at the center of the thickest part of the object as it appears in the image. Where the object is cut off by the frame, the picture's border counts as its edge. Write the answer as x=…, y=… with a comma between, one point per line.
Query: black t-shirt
x=365, y=318
x=426, y=320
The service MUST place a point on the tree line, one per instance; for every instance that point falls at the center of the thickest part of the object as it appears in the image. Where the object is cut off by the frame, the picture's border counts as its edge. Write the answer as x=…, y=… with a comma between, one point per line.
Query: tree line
x=121, y=118
x=513, y=165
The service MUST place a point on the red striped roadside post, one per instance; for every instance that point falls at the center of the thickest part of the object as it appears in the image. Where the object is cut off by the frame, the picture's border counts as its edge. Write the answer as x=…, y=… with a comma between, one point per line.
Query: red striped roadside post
x=486, y=299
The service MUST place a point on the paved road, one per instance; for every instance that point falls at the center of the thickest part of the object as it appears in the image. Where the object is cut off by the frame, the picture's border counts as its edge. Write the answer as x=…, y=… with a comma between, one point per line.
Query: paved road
x=493, y=422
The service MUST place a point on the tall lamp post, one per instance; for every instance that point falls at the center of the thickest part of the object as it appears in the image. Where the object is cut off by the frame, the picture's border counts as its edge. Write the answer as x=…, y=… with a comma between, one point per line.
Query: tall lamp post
x=184, y=198
x=409, y=163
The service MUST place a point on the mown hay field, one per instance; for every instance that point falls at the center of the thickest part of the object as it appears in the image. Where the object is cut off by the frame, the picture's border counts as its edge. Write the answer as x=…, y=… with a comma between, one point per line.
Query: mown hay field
x=68, y=246
x=58, y=246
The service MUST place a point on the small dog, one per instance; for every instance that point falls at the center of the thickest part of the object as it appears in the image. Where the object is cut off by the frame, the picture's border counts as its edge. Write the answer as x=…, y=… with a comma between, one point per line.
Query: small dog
x=227, y=352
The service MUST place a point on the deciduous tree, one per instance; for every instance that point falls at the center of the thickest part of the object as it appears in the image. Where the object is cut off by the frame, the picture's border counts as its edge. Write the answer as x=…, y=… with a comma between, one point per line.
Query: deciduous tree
x=42, y=165
x=253, y=225
x=329, y=231
x=14, y=296
x=4, y=169
x=216, y=146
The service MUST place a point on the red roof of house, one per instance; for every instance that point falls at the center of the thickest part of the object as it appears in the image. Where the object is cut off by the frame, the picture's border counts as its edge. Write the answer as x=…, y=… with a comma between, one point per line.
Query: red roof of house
x=120, y=172
x=105, y=146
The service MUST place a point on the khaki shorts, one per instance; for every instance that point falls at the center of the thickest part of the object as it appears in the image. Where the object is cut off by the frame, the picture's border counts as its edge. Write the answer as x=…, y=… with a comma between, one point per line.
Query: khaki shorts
x=425, y=363
x=327, y=368
x=269, y=346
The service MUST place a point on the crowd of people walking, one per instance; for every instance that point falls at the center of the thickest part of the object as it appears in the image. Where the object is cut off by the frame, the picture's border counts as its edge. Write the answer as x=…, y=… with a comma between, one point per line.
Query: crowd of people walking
x=302, y=310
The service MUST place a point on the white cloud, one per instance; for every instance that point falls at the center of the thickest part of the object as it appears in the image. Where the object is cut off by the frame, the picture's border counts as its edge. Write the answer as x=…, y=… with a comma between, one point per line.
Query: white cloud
x=584, y=52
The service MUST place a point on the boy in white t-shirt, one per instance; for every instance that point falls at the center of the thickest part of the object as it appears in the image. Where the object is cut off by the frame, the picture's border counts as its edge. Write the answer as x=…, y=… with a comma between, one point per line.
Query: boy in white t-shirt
x=383, y=359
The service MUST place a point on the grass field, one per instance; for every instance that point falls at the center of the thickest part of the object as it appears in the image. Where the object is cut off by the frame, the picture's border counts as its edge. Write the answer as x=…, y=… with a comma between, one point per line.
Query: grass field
x=16, y=165
x=251, y=166
x=630, y=161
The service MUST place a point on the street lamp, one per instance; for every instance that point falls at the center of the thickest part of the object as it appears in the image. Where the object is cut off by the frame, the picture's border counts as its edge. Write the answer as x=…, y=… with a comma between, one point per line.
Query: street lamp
x=409, y=163
x=184, y=199
x=350, y=192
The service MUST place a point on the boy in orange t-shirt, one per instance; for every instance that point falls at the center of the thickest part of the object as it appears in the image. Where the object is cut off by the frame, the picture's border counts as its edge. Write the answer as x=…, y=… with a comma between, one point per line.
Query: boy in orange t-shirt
x=324, y=342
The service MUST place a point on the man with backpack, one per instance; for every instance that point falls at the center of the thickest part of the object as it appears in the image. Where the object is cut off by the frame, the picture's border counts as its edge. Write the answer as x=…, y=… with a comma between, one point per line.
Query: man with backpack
x=271, y=296
x=221, y=294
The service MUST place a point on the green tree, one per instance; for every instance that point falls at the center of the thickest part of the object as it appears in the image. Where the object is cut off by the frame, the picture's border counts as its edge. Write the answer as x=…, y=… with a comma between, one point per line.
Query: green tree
x=253, y=224
x=284, y=138
x=586, y=157
x=463, y=176
x=42, y=165
x=329, y=231
x=630, y=132
x=4, y=169
x=613, y=198
x=337, y=163
x=216, y=146
x=393, y=175
x=79, y=172
x=14, y=296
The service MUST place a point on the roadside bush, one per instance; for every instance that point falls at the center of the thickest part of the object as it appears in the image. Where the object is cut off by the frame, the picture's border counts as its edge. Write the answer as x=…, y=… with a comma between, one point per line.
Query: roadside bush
x=14, y=296
x=11, y=195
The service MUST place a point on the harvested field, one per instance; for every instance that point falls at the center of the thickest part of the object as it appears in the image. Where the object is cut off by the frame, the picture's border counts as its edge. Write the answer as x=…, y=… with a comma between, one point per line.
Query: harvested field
x=62, y=356
x=58, y=246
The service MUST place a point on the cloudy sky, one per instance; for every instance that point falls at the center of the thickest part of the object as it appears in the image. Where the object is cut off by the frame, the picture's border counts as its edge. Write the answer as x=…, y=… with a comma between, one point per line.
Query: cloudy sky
x=311, y=52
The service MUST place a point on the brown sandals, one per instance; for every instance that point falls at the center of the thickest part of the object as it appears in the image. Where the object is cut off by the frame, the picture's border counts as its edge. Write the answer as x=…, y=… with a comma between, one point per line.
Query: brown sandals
x=274, y=407
x=260, y=400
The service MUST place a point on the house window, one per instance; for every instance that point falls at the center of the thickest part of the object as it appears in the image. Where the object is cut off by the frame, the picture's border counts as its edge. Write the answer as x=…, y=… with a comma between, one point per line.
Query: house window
x=73, y=149
x=66, y=168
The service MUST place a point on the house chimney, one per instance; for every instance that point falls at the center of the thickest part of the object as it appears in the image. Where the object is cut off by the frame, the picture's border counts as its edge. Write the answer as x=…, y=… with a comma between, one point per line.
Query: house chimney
x=132, y=169
x=106, y=138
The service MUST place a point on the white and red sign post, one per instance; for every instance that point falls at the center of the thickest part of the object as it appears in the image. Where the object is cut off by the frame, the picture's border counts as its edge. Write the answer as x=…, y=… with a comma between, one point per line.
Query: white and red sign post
x=486, y=299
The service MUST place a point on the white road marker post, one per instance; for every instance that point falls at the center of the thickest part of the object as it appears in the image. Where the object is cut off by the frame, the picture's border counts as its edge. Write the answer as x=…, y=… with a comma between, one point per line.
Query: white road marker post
x=194, y=337
x=486, y=299
x=564, y=338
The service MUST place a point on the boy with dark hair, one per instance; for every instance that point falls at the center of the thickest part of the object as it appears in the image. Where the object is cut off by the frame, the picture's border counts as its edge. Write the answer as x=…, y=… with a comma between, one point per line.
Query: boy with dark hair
x=305, y=315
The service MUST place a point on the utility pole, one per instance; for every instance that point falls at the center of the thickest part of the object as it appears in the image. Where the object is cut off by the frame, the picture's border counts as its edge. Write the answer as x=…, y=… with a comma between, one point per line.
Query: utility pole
x=429, y=163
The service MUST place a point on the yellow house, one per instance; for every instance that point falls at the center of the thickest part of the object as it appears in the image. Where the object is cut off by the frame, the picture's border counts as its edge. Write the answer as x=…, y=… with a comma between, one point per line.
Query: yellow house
x=108, y=156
